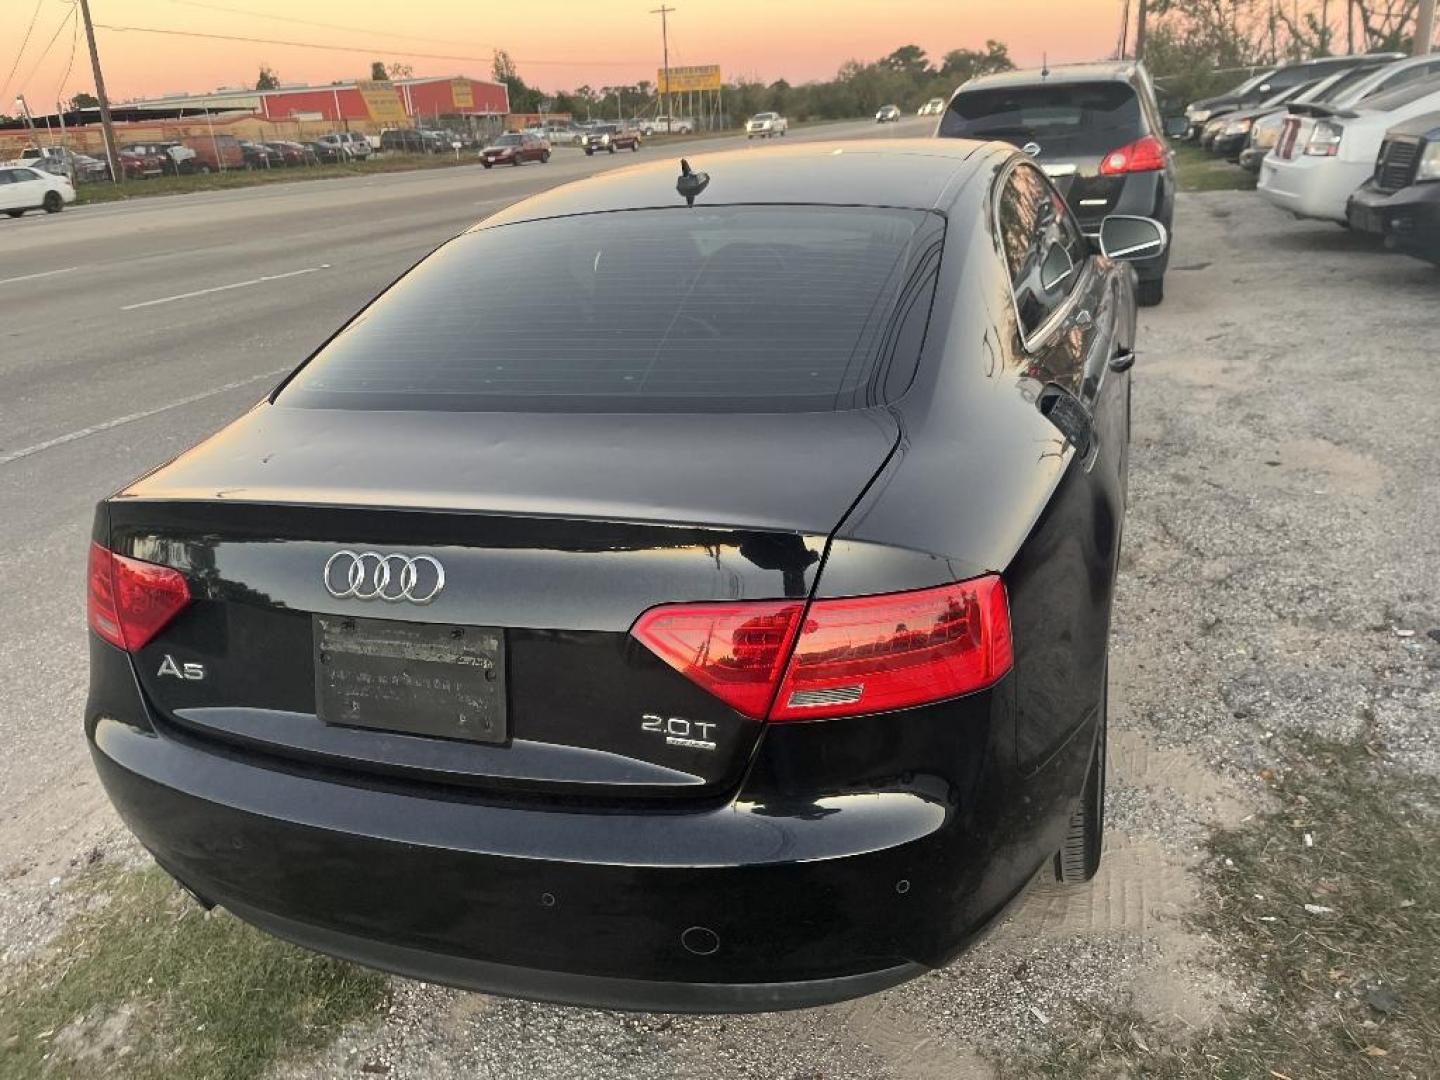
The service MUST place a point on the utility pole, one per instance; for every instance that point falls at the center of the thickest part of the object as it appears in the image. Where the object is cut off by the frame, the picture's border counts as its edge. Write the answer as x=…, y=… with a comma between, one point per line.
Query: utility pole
x=1425, y=27
x=663, y=11
x=1140, y=29
x=105, y=126
x=1124, y=31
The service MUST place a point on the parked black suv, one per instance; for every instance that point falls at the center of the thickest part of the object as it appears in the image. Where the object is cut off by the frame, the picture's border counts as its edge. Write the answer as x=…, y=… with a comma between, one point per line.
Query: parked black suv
x=1268, y=83
x=1095, y=129
x=1401, y=201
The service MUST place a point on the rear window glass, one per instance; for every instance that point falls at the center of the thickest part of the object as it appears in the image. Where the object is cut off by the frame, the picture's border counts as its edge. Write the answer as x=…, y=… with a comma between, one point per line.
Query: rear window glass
x=748, y=308
x=1087, y=116
x=1401, y=96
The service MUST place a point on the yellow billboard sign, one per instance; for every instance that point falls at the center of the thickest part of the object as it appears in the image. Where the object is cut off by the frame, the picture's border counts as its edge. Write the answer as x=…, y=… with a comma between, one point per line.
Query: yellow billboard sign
x=463, y=93
x=684, y=79
x=382, y=101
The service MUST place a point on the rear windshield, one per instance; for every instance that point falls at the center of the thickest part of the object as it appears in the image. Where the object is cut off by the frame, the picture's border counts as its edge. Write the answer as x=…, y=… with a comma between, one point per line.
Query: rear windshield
x=1402, y=95
x=748, y=308
x=1088, y=116
x=508, y=140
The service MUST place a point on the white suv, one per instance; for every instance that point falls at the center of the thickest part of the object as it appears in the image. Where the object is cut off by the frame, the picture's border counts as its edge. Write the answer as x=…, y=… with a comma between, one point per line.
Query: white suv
x=1325, y=154
x=766, y=125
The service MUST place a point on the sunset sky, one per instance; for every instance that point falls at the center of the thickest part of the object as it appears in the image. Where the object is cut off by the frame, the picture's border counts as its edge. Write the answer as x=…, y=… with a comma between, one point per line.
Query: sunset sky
x=558, y=44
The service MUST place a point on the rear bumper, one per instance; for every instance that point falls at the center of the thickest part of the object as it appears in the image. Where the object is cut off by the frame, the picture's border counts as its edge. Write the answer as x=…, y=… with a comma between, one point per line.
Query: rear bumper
x=1310, y=186
x=764, y=902
x=1407, y=220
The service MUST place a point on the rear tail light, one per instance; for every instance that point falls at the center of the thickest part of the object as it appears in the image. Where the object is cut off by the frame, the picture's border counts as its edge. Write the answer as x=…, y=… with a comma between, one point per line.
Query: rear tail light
x=1325, y=139
x=1286, y=144
x=1145, y=154
x=130, y=601
x=864, y=654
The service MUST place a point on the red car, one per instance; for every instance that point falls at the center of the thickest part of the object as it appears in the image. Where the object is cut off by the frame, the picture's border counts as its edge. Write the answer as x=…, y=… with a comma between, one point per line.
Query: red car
x=514, y=147
x=138, y=164
x=292, y=153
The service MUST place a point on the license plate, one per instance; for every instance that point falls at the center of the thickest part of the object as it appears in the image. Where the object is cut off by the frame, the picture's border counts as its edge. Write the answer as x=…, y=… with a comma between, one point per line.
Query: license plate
x=1367, y=220
x=411, y=678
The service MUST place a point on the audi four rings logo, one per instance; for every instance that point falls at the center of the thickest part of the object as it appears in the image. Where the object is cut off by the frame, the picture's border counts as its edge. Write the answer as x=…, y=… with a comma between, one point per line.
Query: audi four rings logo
x=370, y=575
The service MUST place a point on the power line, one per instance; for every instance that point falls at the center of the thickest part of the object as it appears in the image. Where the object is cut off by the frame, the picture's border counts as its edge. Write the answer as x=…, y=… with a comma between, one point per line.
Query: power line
x=46, y=51
x=367, y=49
x=300, y=22
x=69, y=64
x=23, y=42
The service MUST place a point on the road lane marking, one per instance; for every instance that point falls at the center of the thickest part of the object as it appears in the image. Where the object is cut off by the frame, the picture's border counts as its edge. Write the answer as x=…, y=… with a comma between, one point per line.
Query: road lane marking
x=32, y=277
x=95, y=429
x=225, y=288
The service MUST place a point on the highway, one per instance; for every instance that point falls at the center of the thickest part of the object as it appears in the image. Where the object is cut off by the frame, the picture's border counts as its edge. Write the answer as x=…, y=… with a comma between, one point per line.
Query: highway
x=129, y=331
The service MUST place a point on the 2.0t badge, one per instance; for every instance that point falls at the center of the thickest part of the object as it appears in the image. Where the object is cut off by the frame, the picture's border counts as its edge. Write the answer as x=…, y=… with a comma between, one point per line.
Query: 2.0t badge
x=392, y=577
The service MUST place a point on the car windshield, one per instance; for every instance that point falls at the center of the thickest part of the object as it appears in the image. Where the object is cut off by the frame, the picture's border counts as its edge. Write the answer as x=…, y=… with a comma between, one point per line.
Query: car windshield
x=1095, y=117
x=724, y=309
x=508, y=140
x=1250, y=83
x=768, y=115
x=1401, y=96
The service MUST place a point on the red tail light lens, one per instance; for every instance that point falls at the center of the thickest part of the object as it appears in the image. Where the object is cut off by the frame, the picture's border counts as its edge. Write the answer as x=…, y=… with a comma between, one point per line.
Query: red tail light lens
x=1145, y=154
x=131, y=601
x=735, y=651
x=860, y=655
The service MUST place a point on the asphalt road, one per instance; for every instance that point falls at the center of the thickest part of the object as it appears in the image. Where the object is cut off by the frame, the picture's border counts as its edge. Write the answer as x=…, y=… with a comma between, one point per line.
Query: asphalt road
x=129, y=331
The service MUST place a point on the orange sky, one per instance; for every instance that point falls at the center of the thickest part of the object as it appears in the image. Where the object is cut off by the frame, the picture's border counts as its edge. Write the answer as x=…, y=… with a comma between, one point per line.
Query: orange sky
x=557, y=43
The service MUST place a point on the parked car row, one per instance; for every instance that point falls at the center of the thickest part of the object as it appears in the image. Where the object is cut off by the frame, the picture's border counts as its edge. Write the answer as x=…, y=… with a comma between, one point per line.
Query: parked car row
x=1353, y=139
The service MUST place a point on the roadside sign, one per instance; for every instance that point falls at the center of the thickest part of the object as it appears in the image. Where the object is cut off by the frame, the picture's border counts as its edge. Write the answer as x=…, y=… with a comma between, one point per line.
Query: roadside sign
x=684, y=79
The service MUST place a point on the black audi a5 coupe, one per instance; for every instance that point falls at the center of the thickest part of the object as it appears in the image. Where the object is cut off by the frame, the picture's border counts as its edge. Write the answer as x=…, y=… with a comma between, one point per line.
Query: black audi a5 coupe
x=737, y=642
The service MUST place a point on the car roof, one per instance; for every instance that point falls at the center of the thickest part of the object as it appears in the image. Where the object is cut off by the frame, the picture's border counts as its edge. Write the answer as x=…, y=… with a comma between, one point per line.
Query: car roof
x=1423, y=126
x=919, y=174
x=1111, y=71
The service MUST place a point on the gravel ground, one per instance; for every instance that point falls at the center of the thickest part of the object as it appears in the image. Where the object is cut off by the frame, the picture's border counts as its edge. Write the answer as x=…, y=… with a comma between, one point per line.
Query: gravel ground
x=1279, y=574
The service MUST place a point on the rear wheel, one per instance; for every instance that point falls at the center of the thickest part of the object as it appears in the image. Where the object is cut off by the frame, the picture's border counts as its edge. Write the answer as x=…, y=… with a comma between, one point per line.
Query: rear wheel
x=1079, y=856
x=634, y=146
x=544, y=157
x=15, y=213
x=589, y=152
x=515, y=161
x=612, y=148
x=1150, y=293
x=53, y=202
x=486, y=164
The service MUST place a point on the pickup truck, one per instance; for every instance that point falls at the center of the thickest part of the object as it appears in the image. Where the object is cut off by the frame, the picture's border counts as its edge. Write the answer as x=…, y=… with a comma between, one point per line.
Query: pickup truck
x=766, y=125
x=668, y=125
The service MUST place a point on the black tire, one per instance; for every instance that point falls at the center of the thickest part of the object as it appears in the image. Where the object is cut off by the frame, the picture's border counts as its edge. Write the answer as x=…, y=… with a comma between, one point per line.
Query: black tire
x=203, y=170
x=515, y=161
x=612, y=147
x=15, y=213
x=589, y=152
x=53, y=203
x=1150, y=293
x=486, y=164
x=1079, y=856
x=635, y=146
x=545, y=157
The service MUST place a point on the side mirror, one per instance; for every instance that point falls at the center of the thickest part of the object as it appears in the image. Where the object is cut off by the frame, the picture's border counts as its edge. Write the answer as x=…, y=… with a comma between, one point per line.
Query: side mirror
x=1176, y=127
x=1128, y=238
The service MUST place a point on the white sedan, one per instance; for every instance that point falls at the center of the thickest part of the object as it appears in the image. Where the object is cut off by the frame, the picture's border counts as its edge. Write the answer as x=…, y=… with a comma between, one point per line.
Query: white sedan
x=1324, y=154
x=766, y=125
x=23, y=188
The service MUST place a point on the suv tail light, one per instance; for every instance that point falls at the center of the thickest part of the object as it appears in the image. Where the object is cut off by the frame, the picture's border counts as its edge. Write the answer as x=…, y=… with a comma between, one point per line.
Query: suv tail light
x=1286, y=145
x=130, y=601
x=1324, y=139
x=864, y=654
x=1146, y=154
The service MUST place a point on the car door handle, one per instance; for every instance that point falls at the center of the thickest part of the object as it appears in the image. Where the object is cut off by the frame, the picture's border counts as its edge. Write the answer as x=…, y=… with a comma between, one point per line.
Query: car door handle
x=1123, y=360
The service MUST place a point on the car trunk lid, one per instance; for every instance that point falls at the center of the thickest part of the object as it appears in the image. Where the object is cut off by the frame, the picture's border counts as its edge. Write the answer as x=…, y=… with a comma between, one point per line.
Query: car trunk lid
x=554, y=532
